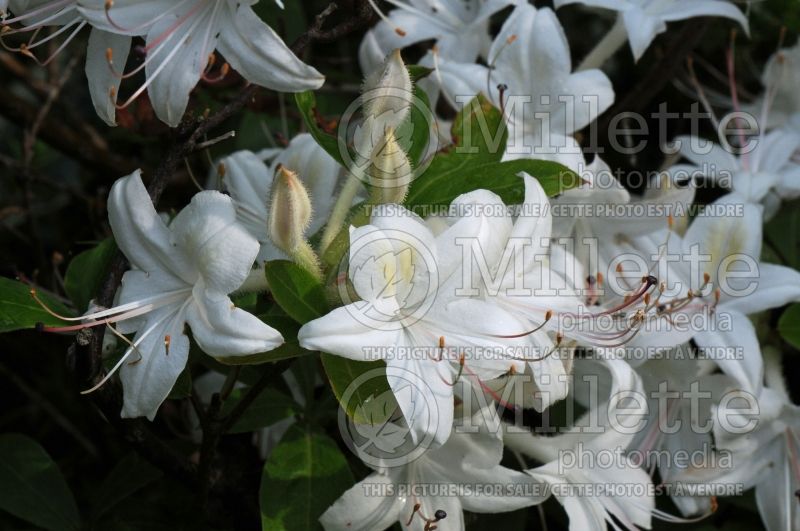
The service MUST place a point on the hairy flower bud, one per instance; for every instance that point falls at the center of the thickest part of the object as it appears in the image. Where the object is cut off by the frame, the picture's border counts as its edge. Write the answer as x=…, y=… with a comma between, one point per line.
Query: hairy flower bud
x=290, y=210
x=386, y=94
x=289, y=217
x=390, y=171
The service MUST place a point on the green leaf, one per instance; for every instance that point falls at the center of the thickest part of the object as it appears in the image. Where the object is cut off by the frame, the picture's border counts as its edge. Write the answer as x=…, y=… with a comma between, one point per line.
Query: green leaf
x=31, y=486
x=18, y=310
x=474, y=161
x=307, y=103
x=789, y=325
x=365, y=402
x=296, y=290
x=459, y=175
x=417, y=72
x=128, y=476
x=303, y=476
x=268, y=408
x=85, y=273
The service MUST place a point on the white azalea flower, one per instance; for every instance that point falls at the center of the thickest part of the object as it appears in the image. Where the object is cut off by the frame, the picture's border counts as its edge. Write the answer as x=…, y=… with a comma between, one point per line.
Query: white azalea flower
x=32, y=15
x=593, y=510
x=763, y=444
x=182, y=274
x=423, y=333
x=181, y=38
x=530, y=61
x=722, y=239
x=765, y=174
x=644, y=19
x=509, y=271
x=249, y=181
x=465, y=463
x=460, y=28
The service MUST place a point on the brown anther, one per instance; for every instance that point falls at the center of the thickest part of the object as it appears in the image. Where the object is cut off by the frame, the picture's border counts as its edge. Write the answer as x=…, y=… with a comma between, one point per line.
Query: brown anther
x=591, y=280
x=221, y=169
x=224, y=70
x=717, y=295
x=512, y=371
x=646, y=299
x=511, y=39
x=600, y=278
x=714, y=504
x=548, y=315
x=670, y=221
x=706, y=278
x=441, y=341
x=400, y=32
x=167, y=341
x=413, y=512
x=619, y=267
x=559, y=338
x=212, y=58
x=109, y=55
x=112, y=93
x=690, y=294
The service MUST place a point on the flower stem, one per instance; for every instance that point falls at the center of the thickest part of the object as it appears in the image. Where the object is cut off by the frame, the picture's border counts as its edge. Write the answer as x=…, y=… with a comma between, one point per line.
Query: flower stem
x=608, y=46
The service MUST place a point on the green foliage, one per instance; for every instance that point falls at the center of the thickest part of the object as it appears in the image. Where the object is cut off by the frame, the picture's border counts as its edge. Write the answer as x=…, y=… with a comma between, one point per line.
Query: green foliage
x=131, y=474
x=307, y=104
x=268, y=408
x=474, y=161
x=789, y=325
x=304, y=475
x=296, y=290
x=32, y=487
x=18, y=309
x=367, y=403
x=85, y=273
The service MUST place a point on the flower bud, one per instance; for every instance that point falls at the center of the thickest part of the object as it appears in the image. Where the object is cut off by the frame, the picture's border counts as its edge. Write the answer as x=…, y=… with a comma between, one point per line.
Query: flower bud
x=290, y=211
x=390, y=171
x=387, y=92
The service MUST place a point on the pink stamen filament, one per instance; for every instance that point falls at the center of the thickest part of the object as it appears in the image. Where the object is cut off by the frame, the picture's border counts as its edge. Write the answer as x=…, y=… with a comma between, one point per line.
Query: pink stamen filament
x=43, y=9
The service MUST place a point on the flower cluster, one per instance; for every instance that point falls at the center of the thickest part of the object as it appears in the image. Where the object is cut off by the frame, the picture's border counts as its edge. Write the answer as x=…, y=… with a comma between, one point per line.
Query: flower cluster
x=510, y=300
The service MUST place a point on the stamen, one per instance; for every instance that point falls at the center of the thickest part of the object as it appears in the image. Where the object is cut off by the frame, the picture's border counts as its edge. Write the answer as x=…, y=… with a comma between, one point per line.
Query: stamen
x=397, y=29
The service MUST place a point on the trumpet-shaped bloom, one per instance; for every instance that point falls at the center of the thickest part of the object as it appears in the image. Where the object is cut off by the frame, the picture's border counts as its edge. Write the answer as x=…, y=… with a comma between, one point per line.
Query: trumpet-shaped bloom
x=594, y=510
x=181, y=38
x=465, y=463
x=530, y=77
x=460, y=28
x=765, y=174
x=408, y=317
x=644, y=19
x=182, y=274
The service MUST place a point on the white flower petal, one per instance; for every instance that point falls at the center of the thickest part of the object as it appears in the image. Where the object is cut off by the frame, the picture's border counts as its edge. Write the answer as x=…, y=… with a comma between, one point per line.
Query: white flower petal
x=151, y=371
x=177, y=59
x=139, y=231
x=736, y=351
x=103, y=81
x=221, y=329
x=642, y=28
x=355, y=510
x=255, y=51
x=221, y=249
x=342, y=333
